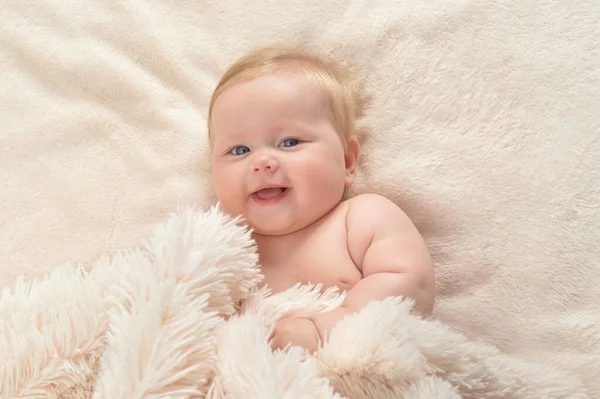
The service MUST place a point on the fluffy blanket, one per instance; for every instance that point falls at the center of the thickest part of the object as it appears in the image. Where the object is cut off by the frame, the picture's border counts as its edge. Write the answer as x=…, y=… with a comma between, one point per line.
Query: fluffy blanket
x=184, y=317
x=483, y=126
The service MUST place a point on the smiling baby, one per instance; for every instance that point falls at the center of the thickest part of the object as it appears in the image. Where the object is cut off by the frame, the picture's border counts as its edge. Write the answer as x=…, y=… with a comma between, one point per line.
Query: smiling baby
x=284, y=150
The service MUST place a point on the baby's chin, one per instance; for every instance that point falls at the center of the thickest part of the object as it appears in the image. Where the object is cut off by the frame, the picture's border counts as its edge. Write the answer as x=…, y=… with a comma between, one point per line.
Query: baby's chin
x=277, y=229
x=280, y=222
x=273, y=231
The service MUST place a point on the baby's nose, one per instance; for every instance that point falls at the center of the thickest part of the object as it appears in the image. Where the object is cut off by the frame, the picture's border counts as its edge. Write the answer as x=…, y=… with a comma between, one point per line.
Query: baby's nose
x=265, y=164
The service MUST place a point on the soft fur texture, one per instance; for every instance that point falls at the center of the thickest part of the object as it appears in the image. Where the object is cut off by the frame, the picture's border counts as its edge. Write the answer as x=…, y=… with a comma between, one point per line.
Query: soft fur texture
x=482, y=126
x=184, y=317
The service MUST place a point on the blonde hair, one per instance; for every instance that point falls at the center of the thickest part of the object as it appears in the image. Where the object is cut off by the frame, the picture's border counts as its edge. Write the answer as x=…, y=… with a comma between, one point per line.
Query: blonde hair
x=310, y=68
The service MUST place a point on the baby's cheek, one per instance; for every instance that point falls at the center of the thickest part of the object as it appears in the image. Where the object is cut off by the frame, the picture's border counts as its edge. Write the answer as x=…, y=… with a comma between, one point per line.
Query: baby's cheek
x=225, y=195
x=229, y=198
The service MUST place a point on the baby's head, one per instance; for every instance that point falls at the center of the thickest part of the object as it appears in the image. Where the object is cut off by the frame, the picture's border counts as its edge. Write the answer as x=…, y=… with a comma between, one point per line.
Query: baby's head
x=282, y=132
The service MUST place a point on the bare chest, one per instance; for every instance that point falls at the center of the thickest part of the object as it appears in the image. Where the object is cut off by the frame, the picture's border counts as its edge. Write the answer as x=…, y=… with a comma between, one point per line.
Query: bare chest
x=317, y=255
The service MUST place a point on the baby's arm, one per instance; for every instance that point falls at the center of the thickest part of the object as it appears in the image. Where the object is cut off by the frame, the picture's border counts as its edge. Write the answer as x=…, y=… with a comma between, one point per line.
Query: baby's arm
x=392, y=256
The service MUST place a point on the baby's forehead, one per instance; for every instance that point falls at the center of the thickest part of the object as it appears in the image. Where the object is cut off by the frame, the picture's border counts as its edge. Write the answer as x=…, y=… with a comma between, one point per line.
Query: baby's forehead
x=273, y=91
x=304, y=88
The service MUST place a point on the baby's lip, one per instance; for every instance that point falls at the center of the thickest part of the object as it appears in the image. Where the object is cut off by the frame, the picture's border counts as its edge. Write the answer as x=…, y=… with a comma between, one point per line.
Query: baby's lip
x=266, y=186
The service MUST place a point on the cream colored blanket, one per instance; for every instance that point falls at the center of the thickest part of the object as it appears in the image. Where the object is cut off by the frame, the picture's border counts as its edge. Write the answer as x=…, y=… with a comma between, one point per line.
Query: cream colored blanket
x=482, y=126
x=184, y=318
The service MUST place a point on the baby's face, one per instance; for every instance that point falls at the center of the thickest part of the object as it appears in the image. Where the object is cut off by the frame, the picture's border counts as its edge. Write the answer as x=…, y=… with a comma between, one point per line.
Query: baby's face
x=277, y=158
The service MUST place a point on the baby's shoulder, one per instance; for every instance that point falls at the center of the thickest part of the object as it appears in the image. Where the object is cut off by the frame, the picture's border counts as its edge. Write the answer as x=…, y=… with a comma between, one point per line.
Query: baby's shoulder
x=370, y=212
x=371, y=204
x=369, y=198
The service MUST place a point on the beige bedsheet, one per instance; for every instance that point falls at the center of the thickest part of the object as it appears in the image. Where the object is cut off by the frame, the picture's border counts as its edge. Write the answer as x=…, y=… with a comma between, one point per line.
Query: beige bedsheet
x=483, y=126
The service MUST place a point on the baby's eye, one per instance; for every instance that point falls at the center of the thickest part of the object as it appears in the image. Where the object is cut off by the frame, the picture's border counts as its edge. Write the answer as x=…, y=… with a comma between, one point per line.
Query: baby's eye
x=289, y=143
x=239, y=150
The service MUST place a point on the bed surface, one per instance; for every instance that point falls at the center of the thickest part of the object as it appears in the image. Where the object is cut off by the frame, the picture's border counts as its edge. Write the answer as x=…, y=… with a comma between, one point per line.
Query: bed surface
x=482, y=126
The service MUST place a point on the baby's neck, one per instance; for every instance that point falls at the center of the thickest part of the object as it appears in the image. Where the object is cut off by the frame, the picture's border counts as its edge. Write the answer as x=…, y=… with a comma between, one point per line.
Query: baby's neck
x=279, y=245
x=267, y=240
x=282, y=245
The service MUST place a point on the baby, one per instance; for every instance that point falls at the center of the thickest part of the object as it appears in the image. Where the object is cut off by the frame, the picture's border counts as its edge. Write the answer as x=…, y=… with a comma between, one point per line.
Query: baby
x=284, y=149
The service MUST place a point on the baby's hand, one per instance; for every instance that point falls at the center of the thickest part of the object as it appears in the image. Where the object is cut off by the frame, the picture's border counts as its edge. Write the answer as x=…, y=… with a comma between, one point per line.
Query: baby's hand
x=295, y=331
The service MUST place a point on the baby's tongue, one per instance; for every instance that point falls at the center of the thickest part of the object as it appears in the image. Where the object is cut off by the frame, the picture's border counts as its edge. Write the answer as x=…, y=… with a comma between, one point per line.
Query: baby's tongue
x=269, y=193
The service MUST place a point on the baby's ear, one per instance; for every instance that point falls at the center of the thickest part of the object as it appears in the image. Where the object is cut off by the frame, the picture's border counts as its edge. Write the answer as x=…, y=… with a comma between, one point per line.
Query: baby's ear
x=351, y=159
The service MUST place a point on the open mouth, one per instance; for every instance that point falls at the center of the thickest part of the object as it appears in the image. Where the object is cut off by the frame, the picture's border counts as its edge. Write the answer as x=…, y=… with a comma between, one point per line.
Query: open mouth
x=270, y=195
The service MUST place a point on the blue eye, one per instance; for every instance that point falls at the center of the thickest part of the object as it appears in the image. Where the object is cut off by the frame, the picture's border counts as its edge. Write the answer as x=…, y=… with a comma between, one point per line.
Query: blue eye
x=289, y=143
x=239, y=150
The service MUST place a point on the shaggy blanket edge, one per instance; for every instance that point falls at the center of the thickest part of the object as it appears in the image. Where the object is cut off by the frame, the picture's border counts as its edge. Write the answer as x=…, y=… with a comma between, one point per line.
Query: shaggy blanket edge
x=183, y=317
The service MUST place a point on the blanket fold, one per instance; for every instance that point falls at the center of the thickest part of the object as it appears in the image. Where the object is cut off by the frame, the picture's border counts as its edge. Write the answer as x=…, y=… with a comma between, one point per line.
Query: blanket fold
x=184, y=317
